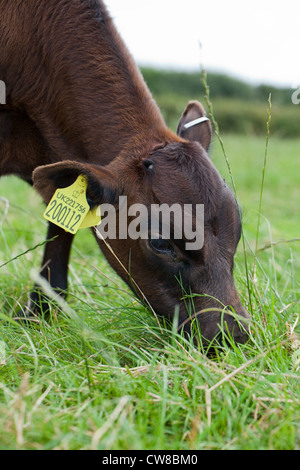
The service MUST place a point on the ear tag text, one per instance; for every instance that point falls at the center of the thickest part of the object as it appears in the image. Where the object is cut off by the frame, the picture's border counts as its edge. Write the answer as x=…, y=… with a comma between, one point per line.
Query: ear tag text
x=69, y=208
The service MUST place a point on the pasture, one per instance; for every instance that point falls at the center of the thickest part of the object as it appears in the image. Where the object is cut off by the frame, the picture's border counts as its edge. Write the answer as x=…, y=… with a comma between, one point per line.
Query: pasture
x=104, y=373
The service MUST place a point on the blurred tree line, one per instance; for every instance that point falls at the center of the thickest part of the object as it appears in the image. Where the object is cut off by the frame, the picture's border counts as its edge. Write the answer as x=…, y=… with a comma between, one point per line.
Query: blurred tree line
x=238, y=106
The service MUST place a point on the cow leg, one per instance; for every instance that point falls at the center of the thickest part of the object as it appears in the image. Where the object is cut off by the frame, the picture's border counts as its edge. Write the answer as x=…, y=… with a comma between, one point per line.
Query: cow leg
x=54, y=269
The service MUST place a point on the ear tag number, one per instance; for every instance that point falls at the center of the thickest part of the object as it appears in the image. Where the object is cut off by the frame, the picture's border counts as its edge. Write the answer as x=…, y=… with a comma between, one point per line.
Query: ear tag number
x=69, y=208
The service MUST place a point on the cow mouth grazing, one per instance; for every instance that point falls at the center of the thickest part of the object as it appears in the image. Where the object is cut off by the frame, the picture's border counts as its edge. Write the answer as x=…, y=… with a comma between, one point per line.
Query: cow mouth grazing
x=213, y=327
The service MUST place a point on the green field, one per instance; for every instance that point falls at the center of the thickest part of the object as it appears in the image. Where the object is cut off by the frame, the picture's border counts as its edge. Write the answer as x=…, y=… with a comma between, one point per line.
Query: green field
x=103, y=374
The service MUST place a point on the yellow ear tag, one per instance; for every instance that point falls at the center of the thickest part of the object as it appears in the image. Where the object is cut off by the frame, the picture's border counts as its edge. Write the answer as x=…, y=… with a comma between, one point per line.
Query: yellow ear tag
x=92, y=218
x=68, y=207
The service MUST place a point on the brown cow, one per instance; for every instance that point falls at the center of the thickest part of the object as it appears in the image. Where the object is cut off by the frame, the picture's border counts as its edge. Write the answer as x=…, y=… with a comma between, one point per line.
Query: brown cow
x=76, y=104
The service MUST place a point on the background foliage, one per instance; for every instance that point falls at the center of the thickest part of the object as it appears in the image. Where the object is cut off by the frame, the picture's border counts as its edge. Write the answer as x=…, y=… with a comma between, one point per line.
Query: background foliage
x=239, y=107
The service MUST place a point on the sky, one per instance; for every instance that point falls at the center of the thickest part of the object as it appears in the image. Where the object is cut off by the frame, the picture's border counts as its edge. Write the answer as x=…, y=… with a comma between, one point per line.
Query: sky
x=257, y=41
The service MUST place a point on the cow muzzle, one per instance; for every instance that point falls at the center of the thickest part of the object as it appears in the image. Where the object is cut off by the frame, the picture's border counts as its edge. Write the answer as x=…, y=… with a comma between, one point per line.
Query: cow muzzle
x=217, y=327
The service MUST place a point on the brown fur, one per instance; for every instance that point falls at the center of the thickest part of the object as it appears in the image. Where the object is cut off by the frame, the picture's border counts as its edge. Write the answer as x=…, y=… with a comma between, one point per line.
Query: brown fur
x=77, y=103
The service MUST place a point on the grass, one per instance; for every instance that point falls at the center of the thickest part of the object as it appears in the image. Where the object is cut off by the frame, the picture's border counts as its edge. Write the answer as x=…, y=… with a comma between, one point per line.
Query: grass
x=103, y=374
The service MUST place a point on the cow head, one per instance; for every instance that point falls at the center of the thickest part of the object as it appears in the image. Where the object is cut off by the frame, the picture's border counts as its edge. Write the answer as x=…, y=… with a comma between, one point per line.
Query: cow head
x=162, y=268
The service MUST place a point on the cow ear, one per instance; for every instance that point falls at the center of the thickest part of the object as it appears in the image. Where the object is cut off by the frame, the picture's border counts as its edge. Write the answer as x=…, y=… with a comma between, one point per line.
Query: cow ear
x=194, y=125
x=102, y=187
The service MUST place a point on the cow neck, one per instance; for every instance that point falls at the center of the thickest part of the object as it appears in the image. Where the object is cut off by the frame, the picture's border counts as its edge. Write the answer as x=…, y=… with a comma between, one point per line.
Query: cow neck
x=93, y=103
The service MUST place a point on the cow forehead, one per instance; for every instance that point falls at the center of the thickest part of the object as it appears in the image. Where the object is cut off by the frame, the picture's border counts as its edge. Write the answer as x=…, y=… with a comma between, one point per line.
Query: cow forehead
x=184, y=174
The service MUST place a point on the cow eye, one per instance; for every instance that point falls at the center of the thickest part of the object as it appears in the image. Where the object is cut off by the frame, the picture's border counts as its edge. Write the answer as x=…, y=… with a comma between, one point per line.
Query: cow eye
x=159, y=245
